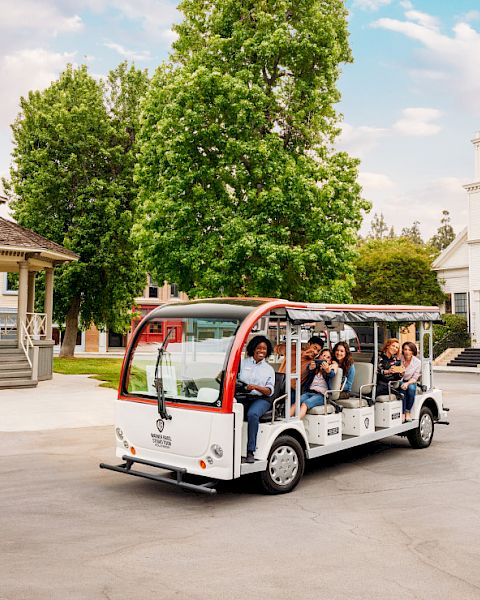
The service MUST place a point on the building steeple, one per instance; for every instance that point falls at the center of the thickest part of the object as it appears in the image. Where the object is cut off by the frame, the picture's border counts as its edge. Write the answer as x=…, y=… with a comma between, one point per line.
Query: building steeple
x=476, y=145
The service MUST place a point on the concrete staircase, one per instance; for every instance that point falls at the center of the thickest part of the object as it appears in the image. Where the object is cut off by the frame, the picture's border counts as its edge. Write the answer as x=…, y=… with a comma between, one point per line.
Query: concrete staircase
x=15, y=372
x=469, y=357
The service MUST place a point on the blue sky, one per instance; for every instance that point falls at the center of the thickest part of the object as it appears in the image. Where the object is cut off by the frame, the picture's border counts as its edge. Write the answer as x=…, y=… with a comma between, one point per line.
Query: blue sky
x=411, y=99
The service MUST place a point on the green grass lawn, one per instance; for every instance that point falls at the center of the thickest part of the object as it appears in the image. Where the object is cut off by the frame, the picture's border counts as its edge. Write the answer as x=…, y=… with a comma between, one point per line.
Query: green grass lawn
x=104, y=369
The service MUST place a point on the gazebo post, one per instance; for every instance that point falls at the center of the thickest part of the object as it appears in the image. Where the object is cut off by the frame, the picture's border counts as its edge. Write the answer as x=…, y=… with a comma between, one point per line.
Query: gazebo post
x=48, y=306
x=22, y=299
x=31, y=292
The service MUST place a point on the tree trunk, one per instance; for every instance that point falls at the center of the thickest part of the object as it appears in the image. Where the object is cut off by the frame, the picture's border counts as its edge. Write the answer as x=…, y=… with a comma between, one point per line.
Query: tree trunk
x=71, y=329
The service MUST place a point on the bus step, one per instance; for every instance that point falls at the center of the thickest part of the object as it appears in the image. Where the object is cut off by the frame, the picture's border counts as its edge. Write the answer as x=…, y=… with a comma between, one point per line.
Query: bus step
x=126, y=467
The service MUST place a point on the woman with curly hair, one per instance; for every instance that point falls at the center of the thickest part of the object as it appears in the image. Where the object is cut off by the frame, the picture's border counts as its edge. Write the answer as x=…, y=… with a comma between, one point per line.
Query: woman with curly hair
x=259, y=378
x=389, y=368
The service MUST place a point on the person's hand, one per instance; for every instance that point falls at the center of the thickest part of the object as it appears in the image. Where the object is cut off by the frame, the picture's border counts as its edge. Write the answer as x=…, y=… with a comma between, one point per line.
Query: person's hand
x=312, y=365
x=251, y=387
x=404, y=386
x=388, y=371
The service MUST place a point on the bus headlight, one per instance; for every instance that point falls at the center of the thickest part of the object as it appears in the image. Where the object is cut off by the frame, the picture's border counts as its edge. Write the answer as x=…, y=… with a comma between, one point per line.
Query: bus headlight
x=217, y=450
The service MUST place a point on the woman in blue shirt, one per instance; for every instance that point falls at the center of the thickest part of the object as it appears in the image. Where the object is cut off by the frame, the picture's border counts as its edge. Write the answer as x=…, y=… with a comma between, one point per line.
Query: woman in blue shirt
x=259, y=378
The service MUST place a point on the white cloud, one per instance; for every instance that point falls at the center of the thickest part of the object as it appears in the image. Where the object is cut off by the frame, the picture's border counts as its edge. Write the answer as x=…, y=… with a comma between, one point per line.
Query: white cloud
x=27, y=70
x=418, y=122
x=471, y=15
x=375, y=181
x=455, y=58
x=423, y=203
x=156, y=17
x=358, y=141
x=423, y=19
x=370, y=4
x=129, y=54
x=32, y=15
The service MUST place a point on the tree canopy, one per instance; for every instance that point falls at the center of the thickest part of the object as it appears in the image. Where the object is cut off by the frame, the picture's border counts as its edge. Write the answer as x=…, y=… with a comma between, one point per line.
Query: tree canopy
x=71, y=180
x=241, y=189
x=396, y=271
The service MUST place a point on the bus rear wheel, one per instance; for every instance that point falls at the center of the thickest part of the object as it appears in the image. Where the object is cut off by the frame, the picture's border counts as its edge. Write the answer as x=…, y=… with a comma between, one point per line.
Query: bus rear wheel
x=421, y=437
x=286, y=463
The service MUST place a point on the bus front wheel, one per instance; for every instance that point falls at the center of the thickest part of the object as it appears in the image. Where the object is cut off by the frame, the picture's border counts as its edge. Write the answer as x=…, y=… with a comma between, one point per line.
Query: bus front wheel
x=421, y=436
x=286, y=463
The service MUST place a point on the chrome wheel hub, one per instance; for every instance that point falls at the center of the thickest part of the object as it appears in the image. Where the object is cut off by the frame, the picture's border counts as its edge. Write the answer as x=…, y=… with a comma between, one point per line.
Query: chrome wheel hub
x=283, y=465
x=426, y=428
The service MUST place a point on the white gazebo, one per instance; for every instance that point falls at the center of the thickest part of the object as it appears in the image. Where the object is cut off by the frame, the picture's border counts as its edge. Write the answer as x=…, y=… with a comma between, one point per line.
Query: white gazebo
x=26, y=344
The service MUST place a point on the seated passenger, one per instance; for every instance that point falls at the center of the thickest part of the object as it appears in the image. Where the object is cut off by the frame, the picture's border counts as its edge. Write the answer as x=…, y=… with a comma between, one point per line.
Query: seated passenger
x=324, y=370
x=344, y=359
x=408, y=384
x=314, y=346
x=259, y=378
x=389, y=368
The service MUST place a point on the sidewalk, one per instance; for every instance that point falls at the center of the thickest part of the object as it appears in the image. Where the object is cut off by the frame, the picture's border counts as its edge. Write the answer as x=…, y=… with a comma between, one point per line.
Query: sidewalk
x=64, y=402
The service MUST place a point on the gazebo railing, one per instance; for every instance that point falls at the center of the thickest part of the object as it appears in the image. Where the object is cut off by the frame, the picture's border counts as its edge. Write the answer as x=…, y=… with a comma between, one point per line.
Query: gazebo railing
x=36, y=325
x=8, y=326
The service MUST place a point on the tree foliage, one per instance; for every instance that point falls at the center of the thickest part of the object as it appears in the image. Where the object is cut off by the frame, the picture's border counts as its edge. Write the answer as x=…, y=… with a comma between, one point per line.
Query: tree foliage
x=413, y=233
x=72, y=181
x=241, y=188
x=395, y=271
x=379, y=228
x=445, y=234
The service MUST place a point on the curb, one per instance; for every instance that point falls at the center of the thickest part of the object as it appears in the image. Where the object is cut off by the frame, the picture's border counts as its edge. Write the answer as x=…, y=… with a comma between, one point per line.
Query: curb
x=456, y=370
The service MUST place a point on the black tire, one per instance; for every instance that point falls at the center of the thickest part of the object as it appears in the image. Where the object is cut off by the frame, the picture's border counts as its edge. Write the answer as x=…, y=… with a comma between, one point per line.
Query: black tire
x=285, y=466
x=421, y=436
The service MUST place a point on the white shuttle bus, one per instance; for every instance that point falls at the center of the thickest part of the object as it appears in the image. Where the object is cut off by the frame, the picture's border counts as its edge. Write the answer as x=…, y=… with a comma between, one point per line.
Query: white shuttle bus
x=178, y=411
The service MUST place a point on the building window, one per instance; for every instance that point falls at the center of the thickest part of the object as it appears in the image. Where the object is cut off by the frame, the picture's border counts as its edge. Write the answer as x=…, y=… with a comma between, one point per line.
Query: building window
x=448, y=304
x=460, y=302
x=152, y=288
x=173, y=290
x=10, y=283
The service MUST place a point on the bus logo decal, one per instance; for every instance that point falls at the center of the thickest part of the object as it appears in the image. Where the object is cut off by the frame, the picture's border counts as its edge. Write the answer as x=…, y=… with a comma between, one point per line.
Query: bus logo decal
x=366, y=422
x=160, y=425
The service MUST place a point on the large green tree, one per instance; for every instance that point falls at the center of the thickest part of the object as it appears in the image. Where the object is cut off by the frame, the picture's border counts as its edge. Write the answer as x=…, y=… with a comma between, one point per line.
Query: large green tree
x=71, y=180
x=242, y=190
x=395, y=271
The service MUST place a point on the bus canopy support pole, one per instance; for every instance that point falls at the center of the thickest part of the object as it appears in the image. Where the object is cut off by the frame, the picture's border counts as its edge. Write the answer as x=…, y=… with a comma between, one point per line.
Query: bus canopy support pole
x=298, y=371
x=422, y=353
x=375, y=358
x=430, y=353
x=288, y=369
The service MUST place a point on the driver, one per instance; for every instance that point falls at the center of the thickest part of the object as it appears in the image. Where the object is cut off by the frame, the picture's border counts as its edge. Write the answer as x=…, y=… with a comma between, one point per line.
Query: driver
x=259, y=378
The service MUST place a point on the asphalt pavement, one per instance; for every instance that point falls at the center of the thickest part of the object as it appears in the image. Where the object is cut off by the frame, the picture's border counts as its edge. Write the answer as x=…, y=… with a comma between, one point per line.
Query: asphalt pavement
x=382, y=521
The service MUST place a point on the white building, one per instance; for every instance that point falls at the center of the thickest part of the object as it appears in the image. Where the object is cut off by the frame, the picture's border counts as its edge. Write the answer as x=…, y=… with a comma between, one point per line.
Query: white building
x=458, y=266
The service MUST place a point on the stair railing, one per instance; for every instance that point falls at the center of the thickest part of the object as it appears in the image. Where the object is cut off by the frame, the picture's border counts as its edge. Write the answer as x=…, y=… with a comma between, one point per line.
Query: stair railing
x=26, y=343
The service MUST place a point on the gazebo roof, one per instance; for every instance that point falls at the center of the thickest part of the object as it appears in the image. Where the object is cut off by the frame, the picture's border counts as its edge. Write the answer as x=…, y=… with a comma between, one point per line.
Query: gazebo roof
x=14, y=238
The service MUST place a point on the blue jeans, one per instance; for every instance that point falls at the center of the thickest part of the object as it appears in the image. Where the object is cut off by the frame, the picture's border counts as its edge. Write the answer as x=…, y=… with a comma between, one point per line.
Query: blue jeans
x=312, y=399
x=408, y=396
x=254, y=410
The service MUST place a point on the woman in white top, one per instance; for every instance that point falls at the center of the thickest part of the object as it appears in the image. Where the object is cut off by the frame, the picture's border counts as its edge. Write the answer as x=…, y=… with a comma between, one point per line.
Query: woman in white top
x=408, y=384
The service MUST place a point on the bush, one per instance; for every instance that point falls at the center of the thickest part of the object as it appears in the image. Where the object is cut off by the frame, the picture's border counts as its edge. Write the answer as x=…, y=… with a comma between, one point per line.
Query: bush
x=453, y=334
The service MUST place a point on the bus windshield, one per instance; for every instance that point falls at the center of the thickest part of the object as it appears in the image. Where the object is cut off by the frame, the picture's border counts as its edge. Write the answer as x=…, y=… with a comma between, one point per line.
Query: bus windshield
x=192, y=362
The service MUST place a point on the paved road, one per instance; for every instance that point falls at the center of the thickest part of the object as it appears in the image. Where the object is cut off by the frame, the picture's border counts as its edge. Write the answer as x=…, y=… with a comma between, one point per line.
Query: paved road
x=381, y=522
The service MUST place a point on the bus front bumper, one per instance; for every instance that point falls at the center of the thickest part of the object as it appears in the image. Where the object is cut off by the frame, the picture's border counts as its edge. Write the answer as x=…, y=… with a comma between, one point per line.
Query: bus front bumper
x=126, y=467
